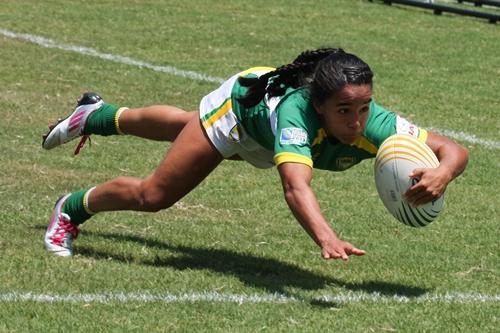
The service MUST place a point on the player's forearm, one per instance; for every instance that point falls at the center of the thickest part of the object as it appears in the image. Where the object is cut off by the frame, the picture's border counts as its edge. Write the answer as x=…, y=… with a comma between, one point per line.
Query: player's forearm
x=305, y=207
x=452, y=158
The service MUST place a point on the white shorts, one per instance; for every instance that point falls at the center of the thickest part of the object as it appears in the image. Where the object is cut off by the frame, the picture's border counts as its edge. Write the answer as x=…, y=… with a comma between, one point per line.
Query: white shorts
x=224, y=131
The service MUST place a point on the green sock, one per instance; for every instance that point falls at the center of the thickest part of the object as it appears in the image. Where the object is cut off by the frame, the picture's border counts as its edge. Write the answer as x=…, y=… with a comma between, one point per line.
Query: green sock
x=102, y=121
x=75, y=208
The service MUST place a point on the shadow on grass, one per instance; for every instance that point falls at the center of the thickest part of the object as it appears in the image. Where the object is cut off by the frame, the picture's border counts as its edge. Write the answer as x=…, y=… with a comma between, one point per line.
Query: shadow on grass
x=269, y=274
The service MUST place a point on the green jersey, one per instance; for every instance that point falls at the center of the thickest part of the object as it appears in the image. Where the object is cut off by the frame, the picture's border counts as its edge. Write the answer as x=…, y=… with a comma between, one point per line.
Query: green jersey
x=291, y=128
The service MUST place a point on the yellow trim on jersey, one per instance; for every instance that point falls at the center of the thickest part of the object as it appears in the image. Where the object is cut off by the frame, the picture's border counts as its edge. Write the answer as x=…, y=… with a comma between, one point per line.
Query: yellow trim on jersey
x=422, y=135
x=319, y=137
x=117, y=117
x=225, y=108
x=292, y=157
x=364, y=144
x=257, y=69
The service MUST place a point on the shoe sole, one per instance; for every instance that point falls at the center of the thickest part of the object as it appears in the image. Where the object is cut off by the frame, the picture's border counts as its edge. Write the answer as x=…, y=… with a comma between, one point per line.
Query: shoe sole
x=55, y=249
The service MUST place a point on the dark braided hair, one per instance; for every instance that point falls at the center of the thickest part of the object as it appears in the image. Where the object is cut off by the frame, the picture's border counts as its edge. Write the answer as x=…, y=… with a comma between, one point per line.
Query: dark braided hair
x=324, y=70
x=274, y=83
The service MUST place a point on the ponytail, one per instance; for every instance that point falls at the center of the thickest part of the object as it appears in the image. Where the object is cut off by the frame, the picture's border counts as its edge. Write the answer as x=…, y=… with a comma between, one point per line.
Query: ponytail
x=275, y=83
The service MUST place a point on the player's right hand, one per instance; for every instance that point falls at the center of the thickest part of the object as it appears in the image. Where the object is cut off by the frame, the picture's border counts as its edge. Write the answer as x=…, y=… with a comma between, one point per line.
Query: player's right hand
x=339, y=249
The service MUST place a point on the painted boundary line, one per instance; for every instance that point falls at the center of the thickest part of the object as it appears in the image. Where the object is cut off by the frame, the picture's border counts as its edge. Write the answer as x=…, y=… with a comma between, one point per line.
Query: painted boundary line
x=349, y=297
x=471, y=138
x=49, y=43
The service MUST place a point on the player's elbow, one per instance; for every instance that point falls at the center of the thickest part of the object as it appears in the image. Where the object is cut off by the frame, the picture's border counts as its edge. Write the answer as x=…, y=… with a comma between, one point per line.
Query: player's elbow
x=293, y=190
x=288, y=194
x=462, y=154
x=465, y=157
x=465, y=154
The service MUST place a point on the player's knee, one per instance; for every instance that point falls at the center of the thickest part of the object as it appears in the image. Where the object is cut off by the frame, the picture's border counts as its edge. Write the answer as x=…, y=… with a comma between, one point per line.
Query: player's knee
x=152, y=199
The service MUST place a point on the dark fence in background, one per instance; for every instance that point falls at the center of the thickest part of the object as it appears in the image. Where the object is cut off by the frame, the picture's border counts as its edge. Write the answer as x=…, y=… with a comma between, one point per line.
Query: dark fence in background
x=440, y=8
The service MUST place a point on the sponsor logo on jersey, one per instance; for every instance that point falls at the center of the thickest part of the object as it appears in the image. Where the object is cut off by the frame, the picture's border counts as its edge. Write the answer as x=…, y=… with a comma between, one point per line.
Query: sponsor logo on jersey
x=403, y=126
x=293, y=136
x=345, y=162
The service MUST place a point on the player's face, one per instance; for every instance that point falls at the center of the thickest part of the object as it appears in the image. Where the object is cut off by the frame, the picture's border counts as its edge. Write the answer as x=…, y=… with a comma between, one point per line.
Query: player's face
x=345, y=113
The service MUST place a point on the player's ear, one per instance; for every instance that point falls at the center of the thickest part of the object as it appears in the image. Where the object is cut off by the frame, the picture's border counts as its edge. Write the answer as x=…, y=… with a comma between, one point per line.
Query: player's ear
x=320, y=108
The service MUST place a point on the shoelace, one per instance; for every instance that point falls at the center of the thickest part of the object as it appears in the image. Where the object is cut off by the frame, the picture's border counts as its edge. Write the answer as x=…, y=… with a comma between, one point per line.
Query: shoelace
x=64, y=227
x=82, y=143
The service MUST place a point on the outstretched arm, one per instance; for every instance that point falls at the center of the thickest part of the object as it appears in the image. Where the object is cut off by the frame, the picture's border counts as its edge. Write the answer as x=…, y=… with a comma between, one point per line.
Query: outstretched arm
x=452, y=158
x=296, y=179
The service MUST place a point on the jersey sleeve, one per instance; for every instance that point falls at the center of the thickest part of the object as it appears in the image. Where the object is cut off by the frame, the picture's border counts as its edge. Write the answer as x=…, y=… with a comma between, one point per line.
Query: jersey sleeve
x=293, y=131
x=382, y=124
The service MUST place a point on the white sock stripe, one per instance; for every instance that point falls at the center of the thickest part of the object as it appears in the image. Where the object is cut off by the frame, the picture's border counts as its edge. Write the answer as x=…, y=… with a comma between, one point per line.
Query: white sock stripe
x=49, y=43
x=86, y=201
x=146, y=297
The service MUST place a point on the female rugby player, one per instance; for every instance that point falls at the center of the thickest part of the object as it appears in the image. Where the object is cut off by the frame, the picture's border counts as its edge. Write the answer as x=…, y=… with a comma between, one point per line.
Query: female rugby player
x=316, y=112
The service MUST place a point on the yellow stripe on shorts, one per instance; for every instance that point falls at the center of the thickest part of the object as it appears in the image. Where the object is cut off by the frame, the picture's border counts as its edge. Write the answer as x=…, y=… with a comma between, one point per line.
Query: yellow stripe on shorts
x=225, y=108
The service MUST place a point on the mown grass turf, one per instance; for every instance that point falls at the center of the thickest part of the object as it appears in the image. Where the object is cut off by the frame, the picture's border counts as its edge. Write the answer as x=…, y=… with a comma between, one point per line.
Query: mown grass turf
x=234, y=234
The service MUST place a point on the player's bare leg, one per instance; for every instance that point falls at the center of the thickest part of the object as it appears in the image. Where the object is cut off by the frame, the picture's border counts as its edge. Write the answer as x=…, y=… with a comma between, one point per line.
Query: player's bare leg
x=93, y=116
x=156, y=122
x=190, y=159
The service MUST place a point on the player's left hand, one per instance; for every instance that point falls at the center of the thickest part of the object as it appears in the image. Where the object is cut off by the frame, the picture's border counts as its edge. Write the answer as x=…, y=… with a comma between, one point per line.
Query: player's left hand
x=431, y=184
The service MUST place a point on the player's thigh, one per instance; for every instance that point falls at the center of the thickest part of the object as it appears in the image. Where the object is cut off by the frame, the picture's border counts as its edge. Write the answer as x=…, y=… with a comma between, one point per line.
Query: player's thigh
x=190, y=159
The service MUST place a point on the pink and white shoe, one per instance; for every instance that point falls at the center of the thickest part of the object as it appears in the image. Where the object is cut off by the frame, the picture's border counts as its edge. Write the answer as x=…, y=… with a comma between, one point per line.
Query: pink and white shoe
x=60, y=232
x=72, y=126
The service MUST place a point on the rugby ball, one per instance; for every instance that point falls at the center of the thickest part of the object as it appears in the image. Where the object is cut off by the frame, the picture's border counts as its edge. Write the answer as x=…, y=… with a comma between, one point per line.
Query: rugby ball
x=396, y=158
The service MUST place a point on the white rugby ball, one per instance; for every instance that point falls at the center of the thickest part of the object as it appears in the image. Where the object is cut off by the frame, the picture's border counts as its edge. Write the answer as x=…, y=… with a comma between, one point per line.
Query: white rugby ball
x=396, y=158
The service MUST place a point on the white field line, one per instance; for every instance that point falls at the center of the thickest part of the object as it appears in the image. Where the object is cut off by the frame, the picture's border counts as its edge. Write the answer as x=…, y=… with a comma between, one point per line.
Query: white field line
x=471, y=138
x=49, y=43
x=349, y=297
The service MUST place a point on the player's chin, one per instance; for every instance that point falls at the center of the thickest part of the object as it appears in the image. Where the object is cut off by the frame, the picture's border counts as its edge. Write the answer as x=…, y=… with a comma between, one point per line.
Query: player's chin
x=349, y=139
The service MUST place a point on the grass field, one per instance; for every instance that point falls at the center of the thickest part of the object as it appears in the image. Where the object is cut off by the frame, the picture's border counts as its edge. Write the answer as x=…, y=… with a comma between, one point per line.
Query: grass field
x=230, y=256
